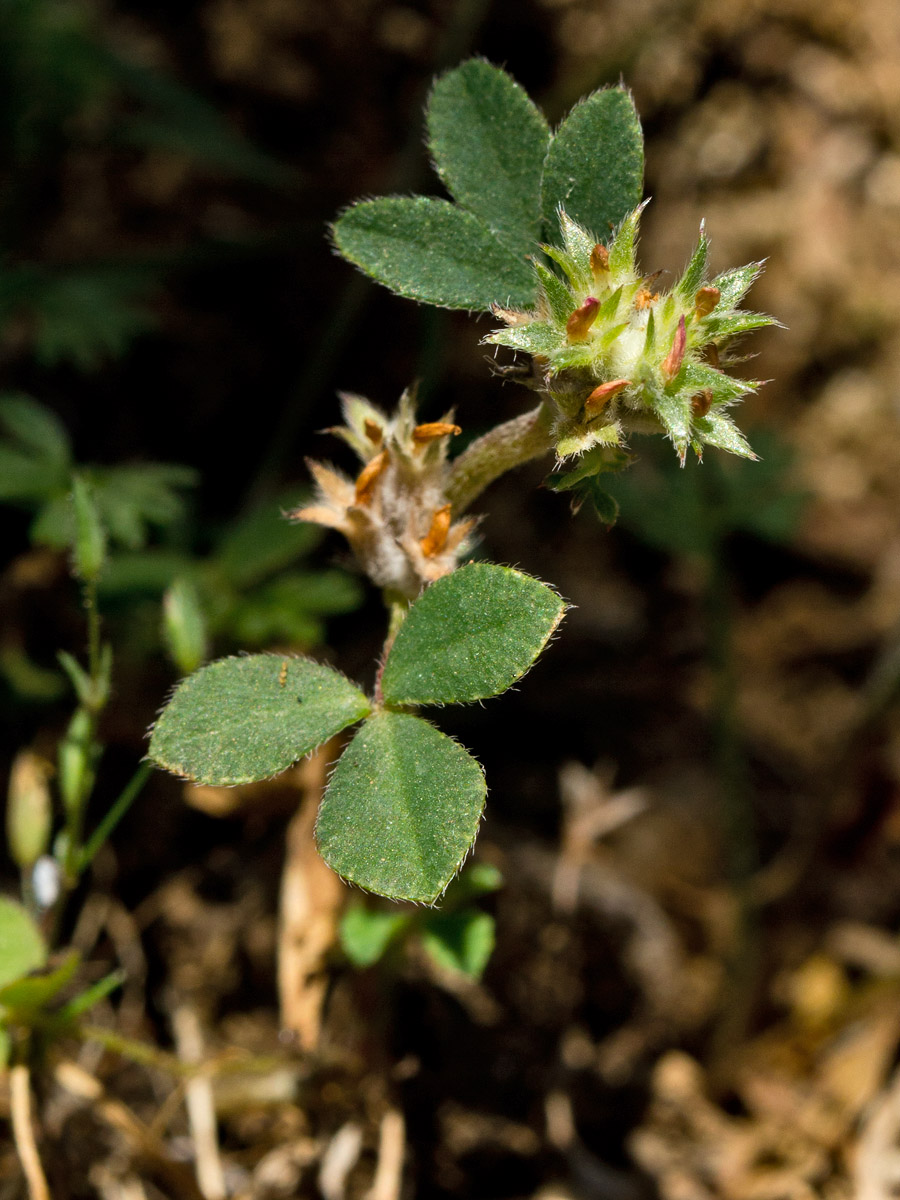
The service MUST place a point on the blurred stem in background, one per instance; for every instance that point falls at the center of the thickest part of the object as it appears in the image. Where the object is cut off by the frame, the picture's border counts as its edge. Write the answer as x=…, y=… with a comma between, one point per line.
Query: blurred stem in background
x=693, y=513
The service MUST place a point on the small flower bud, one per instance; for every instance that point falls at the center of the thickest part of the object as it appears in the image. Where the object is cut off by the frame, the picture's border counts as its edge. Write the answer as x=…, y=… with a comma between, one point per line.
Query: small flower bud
x=434, y=429
x=599, y=397
x=28, y=809
x=579, y=323
x=706, y=300
x=89, y=545
x=77, y=759
x=671, y=364
x=702, y=402
x=184, y=625
x=436, y=538
x=599, y=263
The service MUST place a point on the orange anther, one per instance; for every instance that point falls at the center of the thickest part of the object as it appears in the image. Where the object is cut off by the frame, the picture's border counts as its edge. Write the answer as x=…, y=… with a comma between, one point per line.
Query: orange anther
x=706, y=300
x=645, y=298
x=702, y=402
x=365, y=481
x=602, y=394
x=599, y=262
x=374, y=432
x=436, y=538
x=579, y=323
x=433, y=429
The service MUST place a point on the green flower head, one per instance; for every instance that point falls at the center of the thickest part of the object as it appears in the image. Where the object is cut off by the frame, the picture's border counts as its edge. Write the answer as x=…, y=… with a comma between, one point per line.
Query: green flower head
x=617, y=356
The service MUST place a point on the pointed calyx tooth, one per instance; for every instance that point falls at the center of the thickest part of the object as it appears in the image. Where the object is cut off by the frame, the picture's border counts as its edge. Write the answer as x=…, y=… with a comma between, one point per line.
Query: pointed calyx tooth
x=671, y=364
x=374, y=432
x=334, y=488
x=436, y=538
x=706, y=299
x=579, y=323
x=510, y=316
x=701, y=403
x=599, y=262
x=368, y=476
x=434, y=429
x=601, y=395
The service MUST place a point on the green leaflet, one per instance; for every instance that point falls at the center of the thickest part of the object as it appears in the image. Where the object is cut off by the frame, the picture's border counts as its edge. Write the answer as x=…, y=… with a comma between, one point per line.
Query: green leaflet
x=243, y=719
x=22, y=948
x=430, y=250
x=402, y=808
x=595, y=165
x=488, y=141
x=470, y=635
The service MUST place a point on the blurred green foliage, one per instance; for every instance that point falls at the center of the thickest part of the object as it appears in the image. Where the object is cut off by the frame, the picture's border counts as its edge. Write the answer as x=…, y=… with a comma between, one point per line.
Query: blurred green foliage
x=250, y=589
x=458, y=936
x=691, y=510
x=37, y=466
x=64, y=90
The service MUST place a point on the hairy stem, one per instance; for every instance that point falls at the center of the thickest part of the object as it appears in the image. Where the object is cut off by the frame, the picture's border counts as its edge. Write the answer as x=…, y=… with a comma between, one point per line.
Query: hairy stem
x=498, y=451
x=397, y=606
x=93, y=623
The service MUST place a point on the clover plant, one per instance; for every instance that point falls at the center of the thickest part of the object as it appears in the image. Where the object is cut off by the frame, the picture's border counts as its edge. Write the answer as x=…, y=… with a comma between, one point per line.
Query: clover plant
x=541, y=232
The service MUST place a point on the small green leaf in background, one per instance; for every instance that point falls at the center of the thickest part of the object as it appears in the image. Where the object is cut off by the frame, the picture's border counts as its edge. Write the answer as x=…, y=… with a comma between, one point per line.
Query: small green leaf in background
x=130, y=500
x=184, y=626
x=261, y=542
x=22, y=948
x=26, y=995
x=488, y=141
x=87, y=315
x=35, y=455
x=690, y=510
x=478, y=879
x=430, y=250
x=402, y=808
x=366, y=935
x=595, y=164
x=290, y=607
x=470, y=635
x=239, y=720
x=460, y=941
